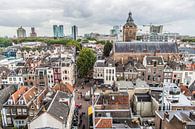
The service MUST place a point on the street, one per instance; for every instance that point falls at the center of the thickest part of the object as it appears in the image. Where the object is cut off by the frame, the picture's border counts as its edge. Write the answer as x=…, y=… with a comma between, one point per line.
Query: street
x=85, y=104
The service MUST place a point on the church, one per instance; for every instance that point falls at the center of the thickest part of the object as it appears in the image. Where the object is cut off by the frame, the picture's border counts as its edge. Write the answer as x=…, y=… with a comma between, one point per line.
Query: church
x=132, y=49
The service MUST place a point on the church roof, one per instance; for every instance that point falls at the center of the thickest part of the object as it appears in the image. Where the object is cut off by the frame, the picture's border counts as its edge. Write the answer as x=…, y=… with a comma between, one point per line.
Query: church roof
x=130, y=21
x=146, y=47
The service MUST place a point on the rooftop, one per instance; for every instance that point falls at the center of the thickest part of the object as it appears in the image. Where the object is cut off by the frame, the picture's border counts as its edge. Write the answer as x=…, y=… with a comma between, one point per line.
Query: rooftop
x=146, y=47
x=57, y=109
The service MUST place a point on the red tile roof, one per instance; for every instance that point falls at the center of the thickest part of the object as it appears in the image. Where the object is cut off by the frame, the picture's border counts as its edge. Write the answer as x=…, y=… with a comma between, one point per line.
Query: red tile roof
x=30, y=94
x=103, y=122
x=15, y=96
x=185, y=90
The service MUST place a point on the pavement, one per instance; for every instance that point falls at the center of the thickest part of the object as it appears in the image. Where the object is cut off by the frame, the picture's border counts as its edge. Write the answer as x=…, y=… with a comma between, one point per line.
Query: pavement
x=85, y=104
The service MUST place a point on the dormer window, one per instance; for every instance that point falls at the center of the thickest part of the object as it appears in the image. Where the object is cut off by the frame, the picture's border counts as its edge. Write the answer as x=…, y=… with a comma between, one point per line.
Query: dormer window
x=21, y=102
x=10, y=102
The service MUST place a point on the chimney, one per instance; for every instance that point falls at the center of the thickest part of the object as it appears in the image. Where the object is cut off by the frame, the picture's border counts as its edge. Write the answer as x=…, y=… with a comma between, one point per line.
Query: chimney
x=166, y=115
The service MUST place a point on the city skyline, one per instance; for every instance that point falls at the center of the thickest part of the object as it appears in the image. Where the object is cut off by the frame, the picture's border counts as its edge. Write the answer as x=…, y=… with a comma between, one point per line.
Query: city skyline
x=94, y=16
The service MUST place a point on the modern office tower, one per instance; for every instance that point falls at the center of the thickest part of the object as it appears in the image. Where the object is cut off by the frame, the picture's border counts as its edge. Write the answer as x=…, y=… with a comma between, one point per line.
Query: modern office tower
x=33, y=33
x=21, y=32
x=74, y=32
x=58, y=31
x=129, y=29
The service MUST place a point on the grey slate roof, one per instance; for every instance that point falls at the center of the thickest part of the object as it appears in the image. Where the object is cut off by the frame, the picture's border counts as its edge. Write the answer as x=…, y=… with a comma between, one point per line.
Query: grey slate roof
x=146, y=47
x=57, y=109
x=187, y=50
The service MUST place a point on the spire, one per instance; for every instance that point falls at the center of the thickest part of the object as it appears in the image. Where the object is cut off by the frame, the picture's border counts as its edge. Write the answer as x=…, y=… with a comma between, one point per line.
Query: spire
x=130, y=19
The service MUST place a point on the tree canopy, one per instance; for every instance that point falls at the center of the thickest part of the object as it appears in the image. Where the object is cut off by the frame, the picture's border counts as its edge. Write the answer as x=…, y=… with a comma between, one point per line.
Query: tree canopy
x=85, y=61
x=74, y=43
x=5, y=42
x=107, y=48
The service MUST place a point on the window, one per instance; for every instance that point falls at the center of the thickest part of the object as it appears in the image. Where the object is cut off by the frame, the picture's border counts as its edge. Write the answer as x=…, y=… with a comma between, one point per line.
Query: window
x=20, y=79
x=155, y=63
x=14, y=111
x=149, y=77
x=24, y=111
x=19, y=110
x=10, y=79
x=9, y=121
x=21, y=102
x=10, y=102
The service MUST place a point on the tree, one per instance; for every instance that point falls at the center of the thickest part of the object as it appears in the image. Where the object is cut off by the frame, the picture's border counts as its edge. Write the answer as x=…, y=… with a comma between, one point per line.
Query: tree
x=85, y=61
x=5, y=42
x=74, y=43
x=107, y=48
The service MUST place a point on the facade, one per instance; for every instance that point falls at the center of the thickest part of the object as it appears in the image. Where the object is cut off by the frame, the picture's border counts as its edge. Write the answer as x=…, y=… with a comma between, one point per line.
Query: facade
x=21, y=32
x=168, y=74
x=68, y=71
x=74, y=32
x=129, y=29
x=105, y=71
x=22, y=106
x=154, y=69
x=58, y=31
x=33, y=33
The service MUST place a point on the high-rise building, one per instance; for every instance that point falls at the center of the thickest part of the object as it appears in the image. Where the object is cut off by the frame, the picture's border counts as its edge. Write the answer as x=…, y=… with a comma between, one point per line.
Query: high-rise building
x=33, y=33
x=156, y=29
x=117, y=32
x=58, y=31
x=74, y=32
x=61, y=31
x=21, y=32
x=129, y=29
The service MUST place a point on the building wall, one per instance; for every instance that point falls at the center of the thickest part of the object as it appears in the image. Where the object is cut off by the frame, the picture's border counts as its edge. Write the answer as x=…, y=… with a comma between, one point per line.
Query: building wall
x=153, y=74
x=124, y=57
x=71, y=113
x=109, y=75
x=46, y=120
x=129, y=33
x=143, y=108
x=68, y=74
x=98, y=73
x=15, y=80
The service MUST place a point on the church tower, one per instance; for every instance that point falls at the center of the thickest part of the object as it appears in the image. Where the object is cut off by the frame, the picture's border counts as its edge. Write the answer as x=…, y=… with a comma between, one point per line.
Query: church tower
x=129, y=29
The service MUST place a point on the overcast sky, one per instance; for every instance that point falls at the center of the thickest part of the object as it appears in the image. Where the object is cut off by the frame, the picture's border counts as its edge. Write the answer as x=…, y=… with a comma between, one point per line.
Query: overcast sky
x=95, y=15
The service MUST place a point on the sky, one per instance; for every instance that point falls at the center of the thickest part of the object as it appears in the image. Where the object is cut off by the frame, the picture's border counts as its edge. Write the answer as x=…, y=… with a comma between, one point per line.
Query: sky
x=95, y=15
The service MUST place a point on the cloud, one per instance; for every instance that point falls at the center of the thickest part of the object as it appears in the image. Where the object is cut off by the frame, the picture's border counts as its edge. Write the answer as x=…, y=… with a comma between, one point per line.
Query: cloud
x=95, y=15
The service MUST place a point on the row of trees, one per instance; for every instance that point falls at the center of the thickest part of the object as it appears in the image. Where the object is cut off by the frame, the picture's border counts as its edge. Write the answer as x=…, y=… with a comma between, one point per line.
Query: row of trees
x=5, y=42
x=188, y=40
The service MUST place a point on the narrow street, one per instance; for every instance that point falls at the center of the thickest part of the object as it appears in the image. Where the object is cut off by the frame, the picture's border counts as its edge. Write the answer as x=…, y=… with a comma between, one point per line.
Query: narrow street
x=85, y=104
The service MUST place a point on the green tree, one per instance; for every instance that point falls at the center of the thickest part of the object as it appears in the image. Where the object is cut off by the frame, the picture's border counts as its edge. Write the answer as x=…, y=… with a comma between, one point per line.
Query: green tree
x=85, y=61
x=74, y=43
x=107, y=48
x=5, y=42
